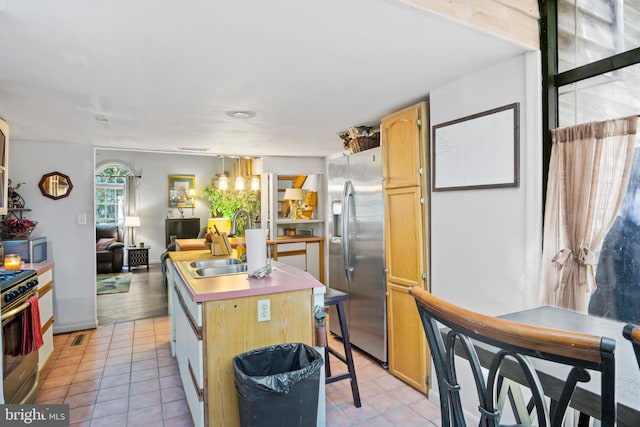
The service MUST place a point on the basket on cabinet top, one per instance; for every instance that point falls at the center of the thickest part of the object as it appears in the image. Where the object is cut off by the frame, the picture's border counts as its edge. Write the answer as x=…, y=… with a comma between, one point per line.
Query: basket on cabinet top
x=360, y=138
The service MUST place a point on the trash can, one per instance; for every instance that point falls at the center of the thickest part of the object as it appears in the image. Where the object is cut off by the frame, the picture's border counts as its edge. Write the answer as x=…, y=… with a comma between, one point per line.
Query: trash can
x=278, y=385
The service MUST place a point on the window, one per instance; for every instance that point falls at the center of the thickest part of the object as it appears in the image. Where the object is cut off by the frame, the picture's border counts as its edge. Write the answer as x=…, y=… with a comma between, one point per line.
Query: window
x=589, y=30
x=591, y=61
x=111, y=194
x=605, y=96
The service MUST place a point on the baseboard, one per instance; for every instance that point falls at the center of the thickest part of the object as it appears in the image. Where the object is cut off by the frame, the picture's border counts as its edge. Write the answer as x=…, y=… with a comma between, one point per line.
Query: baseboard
x=63, y=329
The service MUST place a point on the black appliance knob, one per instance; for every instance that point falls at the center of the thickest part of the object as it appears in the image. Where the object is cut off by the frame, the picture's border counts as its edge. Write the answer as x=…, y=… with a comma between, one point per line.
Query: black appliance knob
x=8, y=297
x=22, y=288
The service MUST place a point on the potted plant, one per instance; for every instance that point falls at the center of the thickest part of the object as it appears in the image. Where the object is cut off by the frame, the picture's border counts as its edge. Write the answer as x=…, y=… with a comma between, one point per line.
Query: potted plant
x=224, y=203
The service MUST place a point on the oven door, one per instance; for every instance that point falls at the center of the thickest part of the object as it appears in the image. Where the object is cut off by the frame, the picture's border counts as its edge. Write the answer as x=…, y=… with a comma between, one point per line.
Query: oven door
x=19, y=372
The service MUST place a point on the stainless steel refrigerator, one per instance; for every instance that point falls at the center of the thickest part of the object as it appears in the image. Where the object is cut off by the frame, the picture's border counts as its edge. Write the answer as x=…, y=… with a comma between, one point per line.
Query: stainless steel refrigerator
x=356, y=248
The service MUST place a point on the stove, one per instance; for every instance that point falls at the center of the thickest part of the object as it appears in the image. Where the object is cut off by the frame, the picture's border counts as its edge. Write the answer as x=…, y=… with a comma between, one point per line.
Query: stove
x=19, y=362
x=14, y=284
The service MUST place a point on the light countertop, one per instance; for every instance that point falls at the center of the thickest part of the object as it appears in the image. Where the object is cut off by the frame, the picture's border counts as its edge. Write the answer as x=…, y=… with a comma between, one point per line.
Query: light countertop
x=283, y=278
x=191, y=244
x=39, y=267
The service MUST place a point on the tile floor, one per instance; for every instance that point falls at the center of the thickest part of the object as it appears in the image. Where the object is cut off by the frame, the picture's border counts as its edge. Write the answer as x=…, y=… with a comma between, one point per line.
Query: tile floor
x=123, y=374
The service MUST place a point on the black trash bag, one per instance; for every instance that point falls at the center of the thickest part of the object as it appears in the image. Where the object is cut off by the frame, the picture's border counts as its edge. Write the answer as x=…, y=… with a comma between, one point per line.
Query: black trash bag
x=278, y=385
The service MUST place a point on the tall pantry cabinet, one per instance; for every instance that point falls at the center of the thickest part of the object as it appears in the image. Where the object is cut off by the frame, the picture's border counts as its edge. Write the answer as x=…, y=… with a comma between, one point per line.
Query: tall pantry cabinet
x=405, y=148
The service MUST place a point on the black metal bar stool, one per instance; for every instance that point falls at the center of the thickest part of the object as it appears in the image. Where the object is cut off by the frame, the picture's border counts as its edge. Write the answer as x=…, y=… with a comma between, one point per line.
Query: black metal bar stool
x=334, y=297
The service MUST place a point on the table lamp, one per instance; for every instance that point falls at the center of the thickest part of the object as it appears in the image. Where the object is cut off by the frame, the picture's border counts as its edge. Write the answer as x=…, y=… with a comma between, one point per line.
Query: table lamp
x=295, y=196
x=130, y=222
x=192, y=196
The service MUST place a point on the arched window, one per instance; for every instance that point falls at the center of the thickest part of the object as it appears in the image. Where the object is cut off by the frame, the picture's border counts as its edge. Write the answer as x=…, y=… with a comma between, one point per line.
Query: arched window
x=111, y=193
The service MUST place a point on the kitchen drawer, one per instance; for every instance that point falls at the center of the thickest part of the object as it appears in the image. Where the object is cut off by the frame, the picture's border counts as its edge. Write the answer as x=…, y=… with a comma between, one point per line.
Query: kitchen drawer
x=45, y=305
x=194, y=356
x=286, y=247
x=194, y=309
x=46, y=277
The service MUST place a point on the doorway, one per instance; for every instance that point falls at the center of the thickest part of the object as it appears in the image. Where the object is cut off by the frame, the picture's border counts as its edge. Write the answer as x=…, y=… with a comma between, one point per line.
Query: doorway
x=130, y=294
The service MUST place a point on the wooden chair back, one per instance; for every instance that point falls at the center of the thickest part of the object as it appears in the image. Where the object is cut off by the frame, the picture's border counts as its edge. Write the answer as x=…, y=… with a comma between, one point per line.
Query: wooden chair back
x=517, y=346
x=632, y=333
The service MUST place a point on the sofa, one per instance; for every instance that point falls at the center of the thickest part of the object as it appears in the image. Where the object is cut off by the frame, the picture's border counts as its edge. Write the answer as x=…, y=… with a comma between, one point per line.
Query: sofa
x=109, y=249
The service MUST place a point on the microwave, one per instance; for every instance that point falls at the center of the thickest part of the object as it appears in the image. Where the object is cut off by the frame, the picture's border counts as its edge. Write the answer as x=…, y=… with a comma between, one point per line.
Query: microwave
x=33, y=249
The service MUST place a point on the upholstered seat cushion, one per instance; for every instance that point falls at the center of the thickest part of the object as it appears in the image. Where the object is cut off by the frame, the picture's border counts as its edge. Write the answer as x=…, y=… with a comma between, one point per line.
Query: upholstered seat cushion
x=104, y=243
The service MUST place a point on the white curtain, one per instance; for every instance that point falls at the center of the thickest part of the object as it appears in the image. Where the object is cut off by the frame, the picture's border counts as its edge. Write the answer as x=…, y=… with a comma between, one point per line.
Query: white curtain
x=132, y=209
x=588, y=176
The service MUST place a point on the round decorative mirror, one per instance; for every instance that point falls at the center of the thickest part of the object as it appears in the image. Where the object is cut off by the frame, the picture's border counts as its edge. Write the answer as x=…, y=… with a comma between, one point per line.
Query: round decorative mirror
x=55, y=185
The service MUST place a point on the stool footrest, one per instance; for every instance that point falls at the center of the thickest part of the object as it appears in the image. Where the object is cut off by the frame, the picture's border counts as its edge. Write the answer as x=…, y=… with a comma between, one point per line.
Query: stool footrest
x=337, y=355
x=335, y=378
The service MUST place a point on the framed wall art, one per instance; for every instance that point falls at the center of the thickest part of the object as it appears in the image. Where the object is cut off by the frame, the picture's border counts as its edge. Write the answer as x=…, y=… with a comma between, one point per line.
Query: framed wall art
x=477, y=151
x=180, y=191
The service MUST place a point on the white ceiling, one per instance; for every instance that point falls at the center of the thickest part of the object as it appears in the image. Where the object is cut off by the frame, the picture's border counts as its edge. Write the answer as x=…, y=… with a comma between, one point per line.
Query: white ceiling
x=164, y=73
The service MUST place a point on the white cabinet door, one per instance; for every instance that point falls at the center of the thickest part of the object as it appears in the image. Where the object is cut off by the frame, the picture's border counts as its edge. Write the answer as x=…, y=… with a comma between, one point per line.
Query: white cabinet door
x=189, y=354
x=293, y=254
x=313, y=259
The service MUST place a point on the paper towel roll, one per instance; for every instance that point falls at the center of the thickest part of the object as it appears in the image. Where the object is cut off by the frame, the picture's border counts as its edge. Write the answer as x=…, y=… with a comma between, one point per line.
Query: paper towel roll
x=256, y=250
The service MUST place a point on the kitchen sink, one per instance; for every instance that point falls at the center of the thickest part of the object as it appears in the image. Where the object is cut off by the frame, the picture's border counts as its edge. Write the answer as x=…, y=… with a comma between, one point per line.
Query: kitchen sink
x=215, y=267
x=220, y=271
x=214, y=263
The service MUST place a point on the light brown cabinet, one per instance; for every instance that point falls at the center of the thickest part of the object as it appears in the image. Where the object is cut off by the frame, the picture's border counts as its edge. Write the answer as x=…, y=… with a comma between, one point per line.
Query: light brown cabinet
x=404, y=237
x=408, y=355
x=405, y=142
x=402, y=152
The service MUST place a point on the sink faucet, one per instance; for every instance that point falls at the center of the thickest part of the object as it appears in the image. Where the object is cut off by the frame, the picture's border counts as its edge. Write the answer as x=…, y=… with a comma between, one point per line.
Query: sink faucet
x=232, y=232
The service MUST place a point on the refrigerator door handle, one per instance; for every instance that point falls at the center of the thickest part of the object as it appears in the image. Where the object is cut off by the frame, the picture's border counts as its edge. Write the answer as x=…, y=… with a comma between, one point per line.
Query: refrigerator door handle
x=346, y=240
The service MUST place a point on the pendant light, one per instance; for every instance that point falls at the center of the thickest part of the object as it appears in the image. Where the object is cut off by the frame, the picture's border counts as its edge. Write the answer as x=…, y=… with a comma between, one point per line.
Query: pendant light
x=223, y=181
x=255, y=183
x=239, y=177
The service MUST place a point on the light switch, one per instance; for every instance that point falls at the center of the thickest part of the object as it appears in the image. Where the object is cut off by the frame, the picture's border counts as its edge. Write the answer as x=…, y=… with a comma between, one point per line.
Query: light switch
x=82, y=219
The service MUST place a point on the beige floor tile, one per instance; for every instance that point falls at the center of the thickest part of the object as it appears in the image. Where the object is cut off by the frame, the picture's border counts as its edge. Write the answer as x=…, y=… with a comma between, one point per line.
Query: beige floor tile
x=124, y=375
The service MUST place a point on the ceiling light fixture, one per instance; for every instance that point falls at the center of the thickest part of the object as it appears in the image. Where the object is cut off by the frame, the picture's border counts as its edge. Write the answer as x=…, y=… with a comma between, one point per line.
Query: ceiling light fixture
x=200, y=149
x=241, y=114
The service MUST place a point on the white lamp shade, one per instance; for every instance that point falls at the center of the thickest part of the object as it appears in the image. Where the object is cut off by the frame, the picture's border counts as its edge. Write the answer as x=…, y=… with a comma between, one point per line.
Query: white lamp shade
x=192, y=192
x=239, y=183
x=132, y=221
x=293, y=194
x=223, y=182
x=255, y=183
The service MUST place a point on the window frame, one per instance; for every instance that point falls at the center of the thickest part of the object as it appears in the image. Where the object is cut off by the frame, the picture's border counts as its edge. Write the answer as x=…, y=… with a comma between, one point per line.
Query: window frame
x=119, y=204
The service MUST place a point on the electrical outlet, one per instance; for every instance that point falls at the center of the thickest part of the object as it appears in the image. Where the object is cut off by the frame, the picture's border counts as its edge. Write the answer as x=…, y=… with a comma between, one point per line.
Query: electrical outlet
x=264, y=310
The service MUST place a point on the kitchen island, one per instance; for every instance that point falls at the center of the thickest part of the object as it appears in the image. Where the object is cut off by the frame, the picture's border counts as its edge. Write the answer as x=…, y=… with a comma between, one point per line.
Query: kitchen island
x=214, y=319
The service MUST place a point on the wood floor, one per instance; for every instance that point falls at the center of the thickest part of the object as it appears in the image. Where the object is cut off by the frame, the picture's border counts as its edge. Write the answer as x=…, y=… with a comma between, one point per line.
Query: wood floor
x=147, y=297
